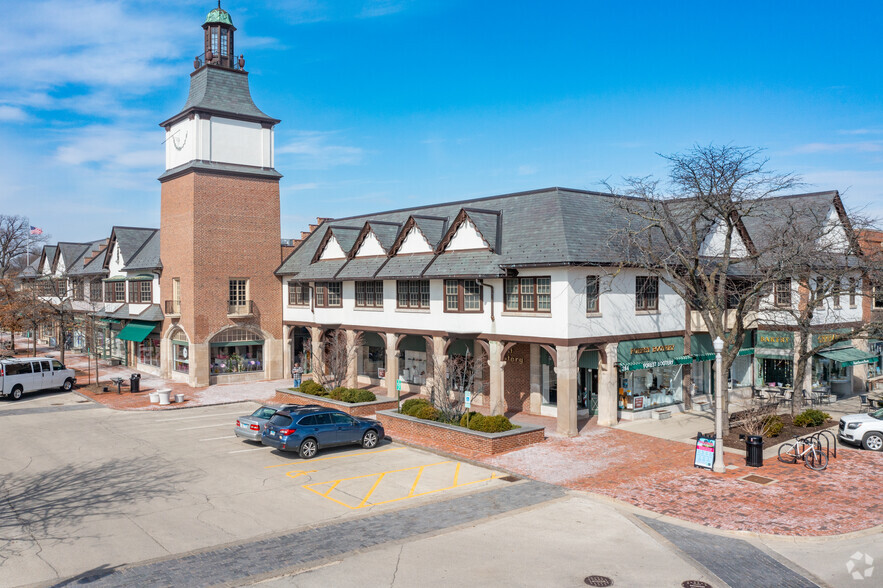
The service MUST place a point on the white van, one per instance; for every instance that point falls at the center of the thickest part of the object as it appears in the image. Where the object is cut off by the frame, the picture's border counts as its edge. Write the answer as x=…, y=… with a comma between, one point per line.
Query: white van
x=31, y=374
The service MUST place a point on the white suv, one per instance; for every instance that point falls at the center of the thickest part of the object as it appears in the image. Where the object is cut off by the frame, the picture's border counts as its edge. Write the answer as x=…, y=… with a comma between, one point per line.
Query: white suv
x=866, y=429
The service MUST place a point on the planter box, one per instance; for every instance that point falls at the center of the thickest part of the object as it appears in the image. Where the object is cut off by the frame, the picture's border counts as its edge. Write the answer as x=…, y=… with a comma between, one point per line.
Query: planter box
x=355, y=409
x=451, y=438
x=661, y=414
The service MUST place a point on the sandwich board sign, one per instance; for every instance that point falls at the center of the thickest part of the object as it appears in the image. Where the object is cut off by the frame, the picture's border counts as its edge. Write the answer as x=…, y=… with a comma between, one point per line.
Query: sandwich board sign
x=705, y=448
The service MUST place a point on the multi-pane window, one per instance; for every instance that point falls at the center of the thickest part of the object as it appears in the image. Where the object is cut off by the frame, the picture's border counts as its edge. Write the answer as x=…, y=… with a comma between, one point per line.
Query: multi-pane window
x=238, y=292
x=298, y=294
x=852, y=292
x=646, y=293
x=412, y=293
x=119, y=291
x=528, y=294
x=215, y=41
x=369, y=294
x=328, y=294
x=140, y=292
x=593, y=294
x=223, y=41
x=462, y=296
x=878, y=297
x=783, y=292
x=108, y=291
x=95, y=291
x=78, y=289
x=835, y=293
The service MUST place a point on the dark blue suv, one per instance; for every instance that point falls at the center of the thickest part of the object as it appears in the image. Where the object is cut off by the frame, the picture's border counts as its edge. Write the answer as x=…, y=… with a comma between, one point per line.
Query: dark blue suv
x=307, y=429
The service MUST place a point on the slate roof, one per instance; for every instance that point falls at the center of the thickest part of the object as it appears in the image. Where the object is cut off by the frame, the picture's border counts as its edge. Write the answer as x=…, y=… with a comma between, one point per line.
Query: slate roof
x=219, y=90
x=805, y=211
x=146, y=258
x=321, y=270
x=432, y=228
x=49, y=252
x=474, y=264
x=151, y=313
x=361, y=267
x=403, y=267
x=386, y=233
x=132, y=241
x=31, y=270
x=80, y=267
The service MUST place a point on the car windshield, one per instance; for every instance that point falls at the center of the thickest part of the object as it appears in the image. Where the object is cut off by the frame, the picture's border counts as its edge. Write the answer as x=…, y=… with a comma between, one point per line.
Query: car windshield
x=263, y=412
x=878, y=414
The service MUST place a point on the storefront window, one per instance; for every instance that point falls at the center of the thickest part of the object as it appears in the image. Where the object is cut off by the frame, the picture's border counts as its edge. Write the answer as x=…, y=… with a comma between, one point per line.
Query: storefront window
x=651, y=388
x=740, y=371
x=181, y=353
x=826, y=371
x=412, y=366
x=776, y=372
x=148, y=351
x=372, y=356
x=235, y=351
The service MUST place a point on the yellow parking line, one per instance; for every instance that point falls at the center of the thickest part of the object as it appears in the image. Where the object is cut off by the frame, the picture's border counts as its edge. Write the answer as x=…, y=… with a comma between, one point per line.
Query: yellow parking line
x=281, y=465
x=297, y=473
x=417, y=479
x=456, y=474
x=371, y=491
x=333, y=486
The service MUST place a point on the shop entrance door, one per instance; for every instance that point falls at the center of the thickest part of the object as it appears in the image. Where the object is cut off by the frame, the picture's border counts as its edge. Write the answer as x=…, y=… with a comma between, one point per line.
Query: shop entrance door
x=587, y=390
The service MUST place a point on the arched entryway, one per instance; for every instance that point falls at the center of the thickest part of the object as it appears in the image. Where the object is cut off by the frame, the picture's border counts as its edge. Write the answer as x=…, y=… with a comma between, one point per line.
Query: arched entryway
x=236, y=350
x=371, y=356
x=300, y=344
x=180, y=350
x=413, y=366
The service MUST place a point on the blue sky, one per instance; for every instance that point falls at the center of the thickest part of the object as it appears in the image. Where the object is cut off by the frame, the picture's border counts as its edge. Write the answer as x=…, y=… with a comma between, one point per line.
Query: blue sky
x=392, y=103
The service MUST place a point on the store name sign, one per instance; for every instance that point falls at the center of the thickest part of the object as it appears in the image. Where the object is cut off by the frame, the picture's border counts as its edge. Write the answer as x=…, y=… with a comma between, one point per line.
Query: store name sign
x=509, y=358
x=654, y=349
x=826, y=338
x=770, y=339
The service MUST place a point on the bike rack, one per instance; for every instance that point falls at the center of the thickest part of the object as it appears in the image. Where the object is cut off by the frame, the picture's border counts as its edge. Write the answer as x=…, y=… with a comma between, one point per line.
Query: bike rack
x=819, y=435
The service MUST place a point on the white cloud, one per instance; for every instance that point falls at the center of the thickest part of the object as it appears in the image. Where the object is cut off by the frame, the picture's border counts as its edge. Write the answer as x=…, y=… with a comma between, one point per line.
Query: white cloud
x=527, y=170
x=861, y=147
x=12, y=113
x=312, y=150
x=374, y=8
x=860, y=131
x=112, y=147
x=861, y=189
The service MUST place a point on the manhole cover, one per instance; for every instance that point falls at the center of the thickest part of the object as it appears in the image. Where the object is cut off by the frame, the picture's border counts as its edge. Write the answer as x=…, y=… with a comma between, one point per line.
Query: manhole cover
x=510, y=478
x=757, y=479
x=598, y=581
x=695, y=584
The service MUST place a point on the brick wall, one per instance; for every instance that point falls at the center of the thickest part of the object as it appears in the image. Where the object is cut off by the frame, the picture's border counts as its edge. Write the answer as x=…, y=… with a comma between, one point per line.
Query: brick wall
x=217, y=227
x=366, y=409
x=452, y=440
x=516, y=379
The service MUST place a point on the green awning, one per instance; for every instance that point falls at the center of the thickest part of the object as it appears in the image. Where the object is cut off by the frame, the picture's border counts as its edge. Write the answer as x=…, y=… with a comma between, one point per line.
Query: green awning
x=761, y=353
x=115, y=279
x=136, y=331
x=589, y=359
x=702, y=348
x=109, y=320
x=848, y=356
x=649, y=353
x=140, y=278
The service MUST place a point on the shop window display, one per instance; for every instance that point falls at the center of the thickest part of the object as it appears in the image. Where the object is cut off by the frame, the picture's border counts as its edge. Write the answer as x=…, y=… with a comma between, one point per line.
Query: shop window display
x=651, y=388
x=148, y=351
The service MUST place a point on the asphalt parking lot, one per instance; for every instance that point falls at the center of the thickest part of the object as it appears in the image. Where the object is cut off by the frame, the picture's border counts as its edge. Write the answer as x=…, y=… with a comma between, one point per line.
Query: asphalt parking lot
x=90, y=488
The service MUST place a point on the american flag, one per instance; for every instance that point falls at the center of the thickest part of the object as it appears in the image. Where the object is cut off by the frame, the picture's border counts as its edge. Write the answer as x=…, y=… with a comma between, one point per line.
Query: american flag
x=36, y=231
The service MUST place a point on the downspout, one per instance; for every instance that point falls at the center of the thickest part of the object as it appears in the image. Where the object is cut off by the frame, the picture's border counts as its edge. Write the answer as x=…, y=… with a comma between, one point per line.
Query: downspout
x=481, y=283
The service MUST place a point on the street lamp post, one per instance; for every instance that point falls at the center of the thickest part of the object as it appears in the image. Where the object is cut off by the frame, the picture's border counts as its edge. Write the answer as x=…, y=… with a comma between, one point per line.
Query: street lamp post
x=719, y=466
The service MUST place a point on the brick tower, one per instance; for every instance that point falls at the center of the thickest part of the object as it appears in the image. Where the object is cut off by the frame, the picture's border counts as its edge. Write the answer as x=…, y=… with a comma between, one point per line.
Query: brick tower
x=220, y=226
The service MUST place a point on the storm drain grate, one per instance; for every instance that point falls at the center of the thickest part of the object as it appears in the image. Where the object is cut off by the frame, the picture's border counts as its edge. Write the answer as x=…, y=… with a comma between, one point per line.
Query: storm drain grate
x=598, y=581
x=509, y=478
x=757, y=479
x=695, y=584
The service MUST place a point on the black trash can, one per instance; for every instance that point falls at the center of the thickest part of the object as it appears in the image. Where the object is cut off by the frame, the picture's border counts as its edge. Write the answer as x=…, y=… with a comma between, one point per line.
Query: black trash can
x=754, y=451
x=135, y=383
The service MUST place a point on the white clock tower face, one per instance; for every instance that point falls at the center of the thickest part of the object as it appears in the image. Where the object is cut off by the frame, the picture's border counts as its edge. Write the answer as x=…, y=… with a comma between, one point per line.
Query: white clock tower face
x=179, y=143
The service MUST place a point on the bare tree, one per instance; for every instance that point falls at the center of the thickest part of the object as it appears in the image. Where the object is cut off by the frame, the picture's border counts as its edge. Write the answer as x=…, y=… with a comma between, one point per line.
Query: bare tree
x=12, y=309
x=15, y=240
x=449, y=383
x=60, y=293
x=339, y=357
x=688, y=232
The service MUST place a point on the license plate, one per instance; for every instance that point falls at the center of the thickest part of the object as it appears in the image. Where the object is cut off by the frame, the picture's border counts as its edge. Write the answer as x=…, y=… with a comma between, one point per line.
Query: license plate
x=272, y=433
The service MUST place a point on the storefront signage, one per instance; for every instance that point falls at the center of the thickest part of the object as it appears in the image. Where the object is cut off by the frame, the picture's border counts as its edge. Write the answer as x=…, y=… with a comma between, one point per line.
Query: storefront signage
x=775, y=339
x=654, y=349
x=509, y=358
x=704, y=457
x=638, y=402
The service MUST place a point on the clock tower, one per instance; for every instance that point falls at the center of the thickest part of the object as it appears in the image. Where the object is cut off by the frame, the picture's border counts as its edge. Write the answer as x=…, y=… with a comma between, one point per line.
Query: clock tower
x=220, y=225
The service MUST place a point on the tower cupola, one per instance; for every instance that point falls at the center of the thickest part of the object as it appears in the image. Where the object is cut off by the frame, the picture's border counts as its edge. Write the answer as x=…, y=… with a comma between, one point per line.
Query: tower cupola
x=218, y=27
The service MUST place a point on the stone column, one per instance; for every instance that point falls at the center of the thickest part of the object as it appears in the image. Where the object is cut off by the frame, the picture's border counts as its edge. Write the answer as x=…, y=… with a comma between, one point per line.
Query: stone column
x=352, y=360
x=608, y=392
x=198, y=362
x=317, y=363
x=860, y=372
x=435, y=382
x=392, y=365
x=566, y=369
x=495, y=367
x=287, y=351
x=536, y=391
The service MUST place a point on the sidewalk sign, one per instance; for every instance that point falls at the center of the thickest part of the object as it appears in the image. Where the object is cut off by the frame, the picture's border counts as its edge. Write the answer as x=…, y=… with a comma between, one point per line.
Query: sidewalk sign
x=705, y=448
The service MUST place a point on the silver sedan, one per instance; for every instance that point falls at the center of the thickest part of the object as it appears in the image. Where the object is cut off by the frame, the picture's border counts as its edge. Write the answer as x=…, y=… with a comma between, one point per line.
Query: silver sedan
x=250, y=427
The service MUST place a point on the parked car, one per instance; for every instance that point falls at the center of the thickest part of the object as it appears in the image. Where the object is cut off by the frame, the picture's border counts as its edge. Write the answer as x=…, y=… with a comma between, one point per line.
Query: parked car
x=250, y=427
x=309, y=429
x=31, y=374
x=866, y=429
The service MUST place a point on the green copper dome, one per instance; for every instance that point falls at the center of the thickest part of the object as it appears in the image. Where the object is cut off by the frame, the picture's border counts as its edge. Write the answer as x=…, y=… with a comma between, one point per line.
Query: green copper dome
x=219, y=15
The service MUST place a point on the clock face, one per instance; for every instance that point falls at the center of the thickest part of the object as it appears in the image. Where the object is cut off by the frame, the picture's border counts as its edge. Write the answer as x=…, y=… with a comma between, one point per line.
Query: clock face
x=179, y=140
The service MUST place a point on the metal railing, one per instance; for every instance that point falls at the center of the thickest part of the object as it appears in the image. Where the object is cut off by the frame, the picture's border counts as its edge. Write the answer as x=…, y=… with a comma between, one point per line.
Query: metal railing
x=173, y=307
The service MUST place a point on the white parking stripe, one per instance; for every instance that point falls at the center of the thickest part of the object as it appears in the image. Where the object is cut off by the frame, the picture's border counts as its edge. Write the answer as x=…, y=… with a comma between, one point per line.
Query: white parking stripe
x=204, y=416
x=205, y=427
x=244, y=450
x=218, y=438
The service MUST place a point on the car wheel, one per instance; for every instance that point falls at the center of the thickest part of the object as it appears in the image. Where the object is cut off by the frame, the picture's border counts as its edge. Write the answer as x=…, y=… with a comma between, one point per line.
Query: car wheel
x=873, y=441
x=369, y=439
x=16, y=392
x=308, y=448
x=68, y=385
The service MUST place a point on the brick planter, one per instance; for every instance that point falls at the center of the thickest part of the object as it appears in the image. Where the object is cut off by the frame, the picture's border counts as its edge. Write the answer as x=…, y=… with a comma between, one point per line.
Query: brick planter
x=355, y=409
x=457, y=439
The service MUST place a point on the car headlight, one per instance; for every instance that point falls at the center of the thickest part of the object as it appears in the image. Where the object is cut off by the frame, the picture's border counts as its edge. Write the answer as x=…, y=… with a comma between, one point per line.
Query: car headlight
x=853, y=425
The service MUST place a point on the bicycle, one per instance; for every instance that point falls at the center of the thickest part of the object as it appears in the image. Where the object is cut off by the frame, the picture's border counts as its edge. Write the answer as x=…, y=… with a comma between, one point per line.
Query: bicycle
x=808, y=449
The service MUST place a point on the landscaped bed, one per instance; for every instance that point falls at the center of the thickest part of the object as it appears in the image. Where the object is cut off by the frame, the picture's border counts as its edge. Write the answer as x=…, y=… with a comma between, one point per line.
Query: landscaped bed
x=420, y=422
x=353, y=401
x=808, y=422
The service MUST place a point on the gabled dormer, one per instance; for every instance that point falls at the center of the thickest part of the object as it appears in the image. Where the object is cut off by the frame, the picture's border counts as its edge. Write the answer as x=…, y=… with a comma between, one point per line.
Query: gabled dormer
x=336, y=243
x=714, y=243
x=419, y=234
x=375, y=239
x=834, y=235
x=472, y=230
